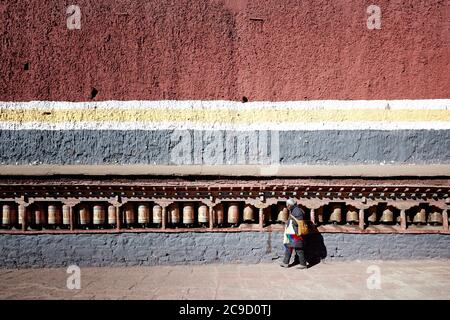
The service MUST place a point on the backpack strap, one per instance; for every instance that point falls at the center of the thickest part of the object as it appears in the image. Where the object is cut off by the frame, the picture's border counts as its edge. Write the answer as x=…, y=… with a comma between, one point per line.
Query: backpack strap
x=296, y=220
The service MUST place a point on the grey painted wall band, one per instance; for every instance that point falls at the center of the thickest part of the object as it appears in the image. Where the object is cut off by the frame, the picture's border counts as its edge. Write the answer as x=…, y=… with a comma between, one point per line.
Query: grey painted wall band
x=73, y=147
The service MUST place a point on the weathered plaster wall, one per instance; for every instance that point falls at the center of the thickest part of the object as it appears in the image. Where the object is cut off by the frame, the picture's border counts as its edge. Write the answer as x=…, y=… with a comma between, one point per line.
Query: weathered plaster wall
x=223, y=50
x=194, y=248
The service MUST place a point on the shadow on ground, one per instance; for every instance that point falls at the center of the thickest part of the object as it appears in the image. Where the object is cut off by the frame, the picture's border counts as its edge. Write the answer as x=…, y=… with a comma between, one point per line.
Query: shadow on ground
x=315, y=249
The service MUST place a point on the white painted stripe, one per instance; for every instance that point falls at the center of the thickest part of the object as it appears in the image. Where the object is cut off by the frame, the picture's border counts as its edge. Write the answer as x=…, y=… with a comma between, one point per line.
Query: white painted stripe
x=352, y=170
x=427, y=104
x=110, y=125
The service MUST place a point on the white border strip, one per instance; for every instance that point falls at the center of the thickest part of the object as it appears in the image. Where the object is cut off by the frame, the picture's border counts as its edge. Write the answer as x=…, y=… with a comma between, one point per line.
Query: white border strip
x=353, y=170
x=427, y=104
x=124, y=126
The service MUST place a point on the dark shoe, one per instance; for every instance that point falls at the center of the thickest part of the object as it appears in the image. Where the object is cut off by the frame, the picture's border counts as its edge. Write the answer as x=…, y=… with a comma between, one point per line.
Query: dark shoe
x=302, y=267
x=284, y=265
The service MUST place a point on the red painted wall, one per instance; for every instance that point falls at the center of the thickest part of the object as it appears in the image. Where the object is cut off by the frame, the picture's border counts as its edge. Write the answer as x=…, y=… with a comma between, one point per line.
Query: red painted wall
x=265, y=50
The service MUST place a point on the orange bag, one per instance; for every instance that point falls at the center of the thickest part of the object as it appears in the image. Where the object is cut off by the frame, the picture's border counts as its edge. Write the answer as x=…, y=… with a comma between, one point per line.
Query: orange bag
x=303, y=228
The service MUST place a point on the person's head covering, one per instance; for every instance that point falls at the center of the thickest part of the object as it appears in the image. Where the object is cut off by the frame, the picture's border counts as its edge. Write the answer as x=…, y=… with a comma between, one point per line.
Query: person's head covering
x=296, y=211
x=291, y=202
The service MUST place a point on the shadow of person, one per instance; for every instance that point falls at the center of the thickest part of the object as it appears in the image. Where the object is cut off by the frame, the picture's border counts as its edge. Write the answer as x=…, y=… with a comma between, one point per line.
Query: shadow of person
x=315, y=250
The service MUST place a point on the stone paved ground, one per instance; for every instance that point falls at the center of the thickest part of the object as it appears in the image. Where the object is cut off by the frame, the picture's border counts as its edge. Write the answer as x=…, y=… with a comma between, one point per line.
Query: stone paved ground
x=412, y=279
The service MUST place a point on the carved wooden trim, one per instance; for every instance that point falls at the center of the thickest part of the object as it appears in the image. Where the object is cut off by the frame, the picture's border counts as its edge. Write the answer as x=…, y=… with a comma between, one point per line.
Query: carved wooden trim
x=261, y=219
x=208, y=202
x=164, y=217
x=71, y=202
x=257, y=203
x=211, y=216
x=71, y=218
x=445, y=219
x=403, y=219
x=118, y=216
x=23, y=210
x=361, y=218
x=313, y=203
x=164, y=203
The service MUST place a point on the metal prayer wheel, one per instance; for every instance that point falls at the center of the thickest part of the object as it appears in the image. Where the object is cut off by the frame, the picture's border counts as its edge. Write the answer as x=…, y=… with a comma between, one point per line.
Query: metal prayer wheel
x=336, y=214
x=203, y=214
x=38, y=215
x=112, y=219
x=220, y=215
x=387, y=216
x=248, y=214
x=435, y=218
x=143, y=213
x=54, y=215
x=420, y=217
x=128, y=213
x=352, y=215
x=319, y=216
x=157, y=214
x=174, y=213
x=6, y=215
x=188, y=214
x=66, y=215
x=84, y=215
x=283, y=213
x=99, y=215
x=372, y=218
x=9, y=216
x=233, y=213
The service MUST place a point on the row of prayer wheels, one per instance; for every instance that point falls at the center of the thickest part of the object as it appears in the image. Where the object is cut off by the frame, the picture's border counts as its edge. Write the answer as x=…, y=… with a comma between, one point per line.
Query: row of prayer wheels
x=140, y=214
x=420, y=216
x=423, y=217
x=52, y=215
x=188, y=214
x=38, y=215
x=232, y=214
x=336, y=216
